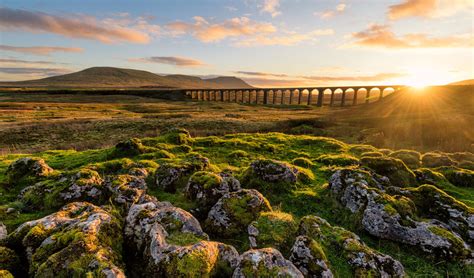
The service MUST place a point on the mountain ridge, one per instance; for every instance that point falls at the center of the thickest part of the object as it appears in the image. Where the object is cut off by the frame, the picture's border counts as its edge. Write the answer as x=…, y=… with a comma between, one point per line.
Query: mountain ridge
x=112, y=77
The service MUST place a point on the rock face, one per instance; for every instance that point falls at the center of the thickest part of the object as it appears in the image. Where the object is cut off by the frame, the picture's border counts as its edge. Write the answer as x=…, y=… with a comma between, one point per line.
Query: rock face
x=3, y=232
x=364, y=260
x=166, y=241
x=235, y=211
x=308, y=257
x=74, y=241
x=392, y=217
x=266, y=262
x=28, y=166
x=206, y=188
x=394, y=169
x=168, y=175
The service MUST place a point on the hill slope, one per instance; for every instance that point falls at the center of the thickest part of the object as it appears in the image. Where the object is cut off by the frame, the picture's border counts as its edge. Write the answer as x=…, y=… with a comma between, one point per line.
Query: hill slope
x=100, y=77
x=463, y=82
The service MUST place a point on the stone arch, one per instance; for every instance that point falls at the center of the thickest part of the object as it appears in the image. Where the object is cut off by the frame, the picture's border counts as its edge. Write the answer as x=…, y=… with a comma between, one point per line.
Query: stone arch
x=347, y=95
x=387, y=91
x=304, y=95
x=327, y=94
x=336, y=96
x=372, y=94
x=311, y=95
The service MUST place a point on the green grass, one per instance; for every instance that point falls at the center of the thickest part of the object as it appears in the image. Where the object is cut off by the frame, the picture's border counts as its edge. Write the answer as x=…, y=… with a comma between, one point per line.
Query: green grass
x=309, y=198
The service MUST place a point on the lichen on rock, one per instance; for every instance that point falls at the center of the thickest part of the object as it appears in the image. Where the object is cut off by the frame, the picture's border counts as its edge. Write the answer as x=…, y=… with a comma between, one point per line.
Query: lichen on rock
x=265, y=262
x=235, y=211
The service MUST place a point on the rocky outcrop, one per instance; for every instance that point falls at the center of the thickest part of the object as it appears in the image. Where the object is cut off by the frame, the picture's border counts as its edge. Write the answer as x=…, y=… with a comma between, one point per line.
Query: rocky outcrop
x=309, y=258
x=85, y=185
x=126, y=190
x=167, y=176
x=71, y=242
x=266, y=262
x=458, y=176
x=364, y=260
x=166, y=241
x=28, y=167
x=392, y=217
x=433, y=160
x=394, y=169
x=235, y=211
x=206, y=188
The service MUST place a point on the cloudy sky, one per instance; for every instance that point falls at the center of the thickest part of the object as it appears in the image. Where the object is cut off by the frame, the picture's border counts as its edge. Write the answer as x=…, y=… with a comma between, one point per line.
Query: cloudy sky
x=266, y=42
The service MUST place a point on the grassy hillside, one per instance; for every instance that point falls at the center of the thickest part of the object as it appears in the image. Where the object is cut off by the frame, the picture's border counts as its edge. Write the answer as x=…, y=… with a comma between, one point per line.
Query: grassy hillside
x=100, y=77
x=315, y=159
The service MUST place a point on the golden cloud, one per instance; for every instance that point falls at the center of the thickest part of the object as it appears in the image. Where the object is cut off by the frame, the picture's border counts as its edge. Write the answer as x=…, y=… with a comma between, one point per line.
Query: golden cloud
x=428, y=8
x=170, y=60
x=72, y=26
x=39, y=50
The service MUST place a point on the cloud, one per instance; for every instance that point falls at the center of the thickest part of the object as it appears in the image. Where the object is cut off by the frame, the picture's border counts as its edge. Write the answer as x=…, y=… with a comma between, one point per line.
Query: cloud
x=365, y=78
x=339, y=9
x=72, y=26
x=290, y=38
x=256, y=73
x=213, y=32
x=271, y=7
x=18, y=61
x=170, y=60
x=39, y=50
x=383, y=37
x=428, y=8
x=40, y=71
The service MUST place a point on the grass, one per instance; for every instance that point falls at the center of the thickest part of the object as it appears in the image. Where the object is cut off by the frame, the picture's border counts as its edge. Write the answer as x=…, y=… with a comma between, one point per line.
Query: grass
x=308, y=198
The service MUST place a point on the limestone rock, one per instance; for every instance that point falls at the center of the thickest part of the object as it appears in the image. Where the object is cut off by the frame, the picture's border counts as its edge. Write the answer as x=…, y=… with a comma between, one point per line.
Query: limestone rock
x=71, y=241
x=309, y=258
x=394, y=169
x=28, y=166
x=363, y=259
x=168, y=242
x=3, y=232
x=266, y=262
x=206, y=188
x=274, y=171
x=391, y=217
x=85, y=185
x=126, y=190
x=235, y=211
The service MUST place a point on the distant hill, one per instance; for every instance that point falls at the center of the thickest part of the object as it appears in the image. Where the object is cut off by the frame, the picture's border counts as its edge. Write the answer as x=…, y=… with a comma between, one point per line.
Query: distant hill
x=110, y=77
x=463, y=82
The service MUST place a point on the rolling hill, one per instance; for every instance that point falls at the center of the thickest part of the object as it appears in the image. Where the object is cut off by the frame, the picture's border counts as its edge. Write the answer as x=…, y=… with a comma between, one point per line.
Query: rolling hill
x=463, y=82
x=110, y=77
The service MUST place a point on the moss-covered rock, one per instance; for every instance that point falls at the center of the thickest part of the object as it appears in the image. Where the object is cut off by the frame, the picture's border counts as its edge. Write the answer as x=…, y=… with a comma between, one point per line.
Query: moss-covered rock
x=9, y=260
x=372, y=154
x=364, y=261
x=359, y=149
x=394, y=169
x=131, y=147
x=273, y=229
x=392, y=217
x=266, y=262
x=79, y=240
x=235, y=211
x=430, y=176
x=28, y=167
x=434, y=203
x=433, y=160
x=308, y=256
x=338, y=159
x=274, y=176
x=169, y=175
x=179, y=136
x=458, y=176
x=168, y=242
x=411, y=158
x=206, y=188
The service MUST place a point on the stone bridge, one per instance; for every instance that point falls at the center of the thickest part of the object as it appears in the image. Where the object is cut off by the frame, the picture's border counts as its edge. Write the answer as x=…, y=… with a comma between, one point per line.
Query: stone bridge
x=319, y=96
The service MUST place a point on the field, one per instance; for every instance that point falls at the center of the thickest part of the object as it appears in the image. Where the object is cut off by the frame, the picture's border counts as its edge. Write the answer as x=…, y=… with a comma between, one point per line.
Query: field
x=323, y=159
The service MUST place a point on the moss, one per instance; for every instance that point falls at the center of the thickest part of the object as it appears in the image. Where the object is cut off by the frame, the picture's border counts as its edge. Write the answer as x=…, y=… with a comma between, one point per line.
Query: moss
x=411, y=158
x=115, y=166
x=199, y=262
x=430, y=176
x=238, y=154
x=9, y=260
x=397, y=172
x=5, y=274
x=456, y=242
x=179, y=136
x=35, y=236
x=302, y=162
x=462, y=156
x=182, y=239
x=276, y=229
x=131, y=147
x=359, y=149
x=433, y=160
x=338, y=159
x=158, y=154
x=457, y=176
x=372, y=154
x=207, y=180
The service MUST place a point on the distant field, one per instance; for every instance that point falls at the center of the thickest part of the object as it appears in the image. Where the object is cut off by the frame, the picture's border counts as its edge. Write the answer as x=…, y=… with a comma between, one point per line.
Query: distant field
x=36, y=122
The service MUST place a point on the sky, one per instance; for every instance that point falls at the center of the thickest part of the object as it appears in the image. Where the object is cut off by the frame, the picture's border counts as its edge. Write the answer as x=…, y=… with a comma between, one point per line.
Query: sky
x=268, y=43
